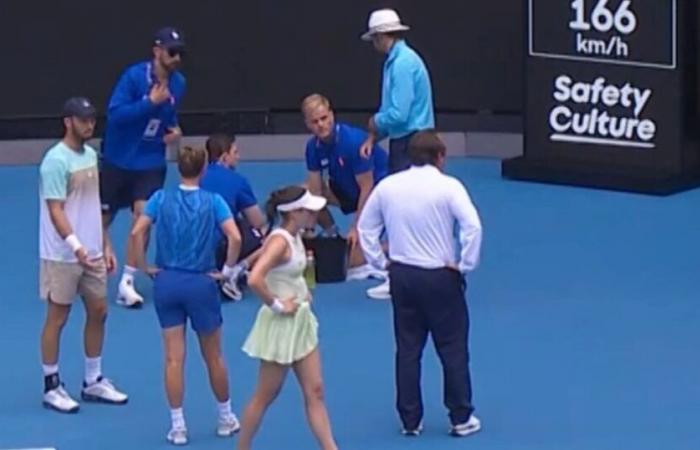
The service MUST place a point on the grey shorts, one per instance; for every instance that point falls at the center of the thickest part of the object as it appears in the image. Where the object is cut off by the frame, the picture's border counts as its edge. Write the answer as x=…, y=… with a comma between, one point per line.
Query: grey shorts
x=63, y=281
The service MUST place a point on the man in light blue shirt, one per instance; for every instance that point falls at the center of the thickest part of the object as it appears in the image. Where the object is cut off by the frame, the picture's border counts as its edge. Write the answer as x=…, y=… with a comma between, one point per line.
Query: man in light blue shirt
x=407, y=99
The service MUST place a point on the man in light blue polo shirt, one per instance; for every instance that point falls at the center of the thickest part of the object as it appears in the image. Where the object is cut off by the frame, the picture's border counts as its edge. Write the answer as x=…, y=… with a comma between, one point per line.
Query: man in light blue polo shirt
x=75, y=256
x=333, y=153
x=407, y=99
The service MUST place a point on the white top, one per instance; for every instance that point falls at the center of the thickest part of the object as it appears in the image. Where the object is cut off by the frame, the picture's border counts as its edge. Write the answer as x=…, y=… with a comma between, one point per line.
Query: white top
x=419, y=207
x=72, y=177
x=287, y=280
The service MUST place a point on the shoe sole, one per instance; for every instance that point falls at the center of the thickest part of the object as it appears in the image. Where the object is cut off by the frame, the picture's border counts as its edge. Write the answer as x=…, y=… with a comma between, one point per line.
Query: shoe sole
x=48, y=405
x=465, y=433
x=228, y=434
x=230, y=294
x=98, y=399
x=136, y=305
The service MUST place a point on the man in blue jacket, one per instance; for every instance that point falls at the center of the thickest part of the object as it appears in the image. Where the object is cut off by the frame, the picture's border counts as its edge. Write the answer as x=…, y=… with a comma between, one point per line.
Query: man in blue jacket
x=407, y=97
x=141, y=122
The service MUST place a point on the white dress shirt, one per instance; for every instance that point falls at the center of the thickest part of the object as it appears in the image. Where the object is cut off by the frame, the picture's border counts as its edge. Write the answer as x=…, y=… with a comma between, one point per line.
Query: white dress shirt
x=419, y=207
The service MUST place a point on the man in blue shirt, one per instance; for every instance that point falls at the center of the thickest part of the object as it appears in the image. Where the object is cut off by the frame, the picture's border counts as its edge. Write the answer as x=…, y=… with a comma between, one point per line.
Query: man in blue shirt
x=141, y=121
x=222, y=178
x=407, y=99
x=333, y=152
x=188, y=223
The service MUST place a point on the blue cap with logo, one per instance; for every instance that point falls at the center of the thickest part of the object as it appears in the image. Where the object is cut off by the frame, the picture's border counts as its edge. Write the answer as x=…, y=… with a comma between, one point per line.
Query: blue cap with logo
x=79, y=107
x=169, y=37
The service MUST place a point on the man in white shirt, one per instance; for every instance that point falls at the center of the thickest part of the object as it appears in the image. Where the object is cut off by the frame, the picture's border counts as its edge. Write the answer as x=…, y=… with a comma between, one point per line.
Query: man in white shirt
x=418, y=209
x=75, y=256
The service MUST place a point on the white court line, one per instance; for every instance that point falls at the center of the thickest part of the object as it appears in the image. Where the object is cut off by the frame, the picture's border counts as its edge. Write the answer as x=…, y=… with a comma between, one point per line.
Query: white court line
x=33, y=448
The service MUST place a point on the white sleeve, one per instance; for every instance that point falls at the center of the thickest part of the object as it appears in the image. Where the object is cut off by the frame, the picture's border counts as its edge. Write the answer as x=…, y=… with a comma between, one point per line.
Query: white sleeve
x=370, y=228
x=470, y=232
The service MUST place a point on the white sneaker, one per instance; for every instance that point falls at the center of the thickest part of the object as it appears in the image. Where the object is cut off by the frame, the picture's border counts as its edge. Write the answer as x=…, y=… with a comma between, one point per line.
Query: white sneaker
x=415, y=432
x=231, y=290
x=59, y=400
x=365, y=271
x=177, y=436
x=465, y=429
x=381, y=292
x=103, y=391
x=228, y=426
x=128, y=296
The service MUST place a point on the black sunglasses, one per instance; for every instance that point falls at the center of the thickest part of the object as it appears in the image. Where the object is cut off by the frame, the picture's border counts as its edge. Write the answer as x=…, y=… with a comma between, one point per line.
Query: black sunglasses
x=173, y=52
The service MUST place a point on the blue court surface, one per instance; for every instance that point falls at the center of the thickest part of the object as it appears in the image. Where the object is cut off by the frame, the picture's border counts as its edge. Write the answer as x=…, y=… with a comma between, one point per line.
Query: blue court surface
x=585, y=334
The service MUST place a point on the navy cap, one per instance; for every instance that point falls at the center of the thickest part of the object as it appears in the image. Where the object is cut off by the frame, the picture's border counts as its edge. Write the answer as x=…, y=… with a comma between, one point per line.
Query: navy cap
x=169, y=37
x=79, y=107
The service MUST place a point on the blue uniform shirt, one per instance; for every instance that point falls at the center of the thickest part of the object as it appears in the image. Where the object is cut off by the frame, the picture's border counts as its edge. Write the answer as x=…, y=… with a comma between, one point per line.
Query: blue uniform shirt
x=231, y=185
x=341, y=159
x=407, y=99
x=135, y=127
x=187, y=223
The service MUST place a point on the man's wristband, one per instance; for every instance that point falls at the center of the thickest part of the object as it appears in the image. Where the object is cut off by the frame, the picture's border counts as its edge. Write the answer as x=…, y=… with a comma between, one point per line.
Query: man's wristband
x=74, y=243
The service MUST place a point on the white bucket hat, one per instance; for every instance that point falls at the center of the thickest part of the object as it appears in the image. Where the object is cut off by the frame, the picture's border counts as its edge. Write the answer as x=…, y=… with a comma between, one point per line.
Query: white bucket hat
x=383, y=21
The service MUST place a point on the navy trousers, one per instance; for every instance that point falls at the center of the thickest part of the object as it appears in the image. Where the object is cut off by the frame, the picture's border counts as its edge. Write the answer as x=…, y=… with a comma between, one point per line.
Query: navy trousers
x=398, y=154
x=430, y=301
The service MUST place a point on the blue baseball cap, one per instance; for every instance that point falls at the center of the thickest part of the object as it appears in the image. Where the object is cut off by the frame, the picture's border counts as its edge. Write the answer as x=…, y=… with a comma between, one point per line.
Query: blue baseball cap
x=79, y=107
x=169, y=37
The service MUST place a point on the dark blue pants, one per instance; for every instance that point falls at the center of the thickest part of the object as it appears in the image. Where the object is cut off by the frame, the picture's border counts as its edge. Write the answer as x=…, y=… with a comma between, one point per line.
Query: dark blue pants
x=398, y=154
x=251, y=240
x=430, y=301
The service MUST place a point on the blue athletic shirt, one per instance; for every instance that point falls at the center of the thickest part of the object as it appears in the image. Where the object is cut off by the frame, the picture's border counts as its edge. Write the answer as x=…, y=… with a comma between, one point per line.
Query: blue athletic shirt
x=229, y=184
x=341, y=158
x=187, y=223
x=135, y=127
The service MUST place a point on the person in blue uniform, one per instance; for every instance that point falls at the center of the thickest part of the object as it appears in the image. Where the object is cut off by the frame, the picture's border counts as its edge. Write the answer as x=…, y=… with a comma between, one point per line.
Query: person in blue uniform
x=336, y=171
x=141, y=122
x=188, y=222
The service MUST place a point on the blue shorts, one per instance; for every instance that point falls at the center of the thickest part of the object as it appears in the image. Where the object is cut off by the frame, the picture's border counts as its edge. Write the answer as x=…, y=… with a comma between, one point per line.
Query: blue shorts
x=180, y=295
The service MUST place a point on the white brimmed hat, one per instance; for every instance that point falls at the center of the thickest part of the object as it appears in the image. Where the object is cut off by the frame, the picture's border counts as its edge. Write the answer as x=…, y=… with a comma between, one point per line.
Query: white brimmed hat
x=306, y=201
x=383, y=21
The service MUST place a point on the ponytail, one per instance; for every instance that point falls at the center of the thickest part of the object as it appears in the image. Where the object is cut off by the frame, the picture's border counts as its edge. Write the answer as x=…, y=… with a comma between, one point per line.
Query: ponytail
x=271, y=210
x=278, y=197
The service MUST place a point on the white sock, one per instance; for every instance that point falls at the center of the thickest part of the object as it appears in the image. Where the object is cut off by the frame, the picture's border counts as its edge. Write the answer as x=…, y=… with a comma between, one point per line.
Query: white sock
x=49, y=369
x=93, y=369
x=177, y=417
x=225, y=408
x=128, y=275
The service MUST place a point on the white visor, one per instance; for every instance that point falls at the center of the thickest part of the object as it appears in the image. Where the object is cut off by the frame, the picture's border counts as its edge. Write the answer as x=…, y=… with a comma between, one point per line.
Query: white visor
x=306, y=201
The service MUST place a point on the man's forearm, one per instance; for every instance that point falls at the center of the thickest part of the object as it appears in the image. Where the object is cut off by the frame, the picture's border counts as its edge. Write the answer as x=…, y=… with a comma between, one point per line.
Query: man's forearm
x=364, y=195
x=106, y=241
x=60, y=220
x=375, y=131
x=233, y=251
x=132, y=111
x=139, y=250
